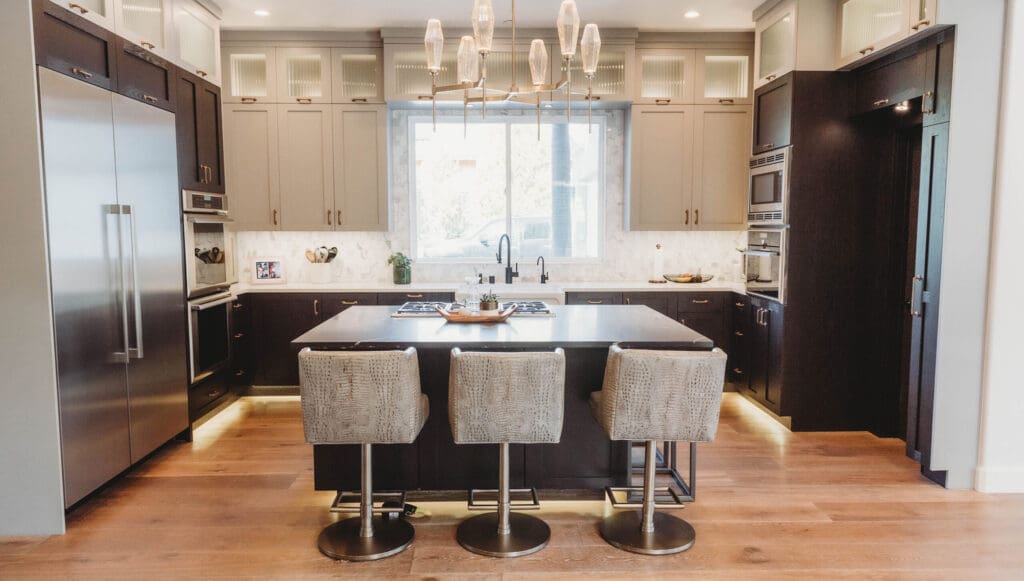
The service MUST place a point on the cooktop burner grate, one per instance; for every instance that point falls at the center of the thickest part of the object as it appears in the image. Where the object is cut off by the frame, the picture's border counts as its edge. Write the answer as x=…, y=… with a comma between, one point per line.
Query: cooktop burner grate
x=428, y=309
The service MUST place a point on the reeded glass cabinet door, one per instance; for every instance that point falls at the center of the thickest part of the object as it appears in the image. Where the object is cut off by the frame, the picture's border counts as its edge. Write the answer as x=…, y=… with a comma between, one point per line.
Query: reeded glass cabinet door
x=198, y=40
x=776, y=48
x=723, y=77
x=357, y=75
x=249, y=74
x=99, y=11
x=304, y=75
x=146, y=23
x=612, y=80
x=665, y=76
x=870, y=25
x=408, y=78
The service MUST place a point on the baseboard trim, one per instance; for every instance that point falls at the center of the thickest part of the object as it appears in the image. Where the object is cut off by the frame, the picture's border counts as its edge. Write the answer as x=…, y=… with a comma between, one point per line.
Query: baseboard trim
x=999, y=479
x=258, y=390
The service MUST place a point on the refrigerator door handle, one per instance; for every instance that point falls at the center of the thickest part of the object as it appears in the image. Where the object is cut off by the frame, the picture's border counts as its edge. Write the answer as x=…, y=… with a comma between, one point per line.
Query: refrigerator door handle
x=136, y=352
x=124, y=355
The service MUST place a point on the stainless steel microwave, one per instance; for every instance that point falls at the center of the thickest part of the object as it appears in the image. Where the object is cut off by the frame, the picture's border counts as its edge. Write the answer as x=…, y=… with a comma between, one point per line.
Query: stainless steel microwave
x=768, y=198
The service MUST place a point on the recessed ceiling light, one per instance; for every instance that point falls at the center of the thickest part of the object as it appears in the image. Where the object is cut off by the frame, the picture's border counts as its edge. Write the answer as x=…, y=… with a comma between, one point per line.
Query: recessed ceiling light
x=691, y=14
x=261, y=12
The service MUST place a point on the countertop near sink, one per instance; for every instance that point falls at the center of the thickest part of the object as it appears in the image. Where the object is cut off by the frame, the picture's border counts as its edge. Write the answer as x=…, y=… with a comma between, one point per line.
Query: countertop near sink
x=531, y=288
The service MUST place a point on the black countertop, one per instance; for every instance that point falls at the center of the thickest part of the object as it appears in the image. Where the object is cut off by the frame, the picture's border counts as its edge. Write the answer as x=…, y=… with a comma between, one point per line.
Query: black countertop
x=579, y=326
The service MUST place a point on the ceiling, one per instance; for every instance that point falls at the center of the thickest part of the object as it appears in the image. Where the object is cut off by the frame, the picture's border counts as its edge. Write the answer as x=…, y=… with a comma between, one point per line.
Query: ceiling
x=654, y=15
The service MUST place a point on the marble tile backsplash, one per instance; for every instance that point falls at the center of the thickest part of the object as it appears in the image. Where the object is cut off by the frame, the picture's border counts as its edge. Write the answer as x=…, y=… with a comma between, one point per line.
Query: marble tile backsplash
x=626, y=256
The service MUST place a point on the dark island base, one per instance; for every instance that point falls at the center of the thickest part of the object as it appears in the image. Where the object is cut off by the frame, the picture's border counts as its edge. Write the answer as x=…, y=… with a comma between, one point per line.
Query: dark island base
x=584, y=459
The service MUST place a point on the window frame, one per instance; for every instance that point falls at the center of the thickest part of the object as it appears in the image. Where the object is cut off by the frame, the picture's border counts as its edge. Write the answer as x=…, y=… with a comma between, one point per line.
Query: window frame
x=502, y=116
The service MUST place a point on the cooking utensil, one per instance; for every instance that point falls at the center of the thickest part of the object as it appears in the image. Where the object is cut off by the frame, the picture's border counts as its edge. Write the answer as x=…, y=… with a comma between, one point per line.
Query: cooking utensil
x=310, y=256
x=321, y=255
x=332, y=253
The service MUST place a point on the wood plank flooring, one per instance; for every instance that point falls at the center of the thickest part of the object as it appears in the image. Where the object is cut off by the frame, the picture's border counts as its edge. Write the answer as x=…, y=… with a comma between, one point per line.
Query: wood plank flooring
x=238, y=502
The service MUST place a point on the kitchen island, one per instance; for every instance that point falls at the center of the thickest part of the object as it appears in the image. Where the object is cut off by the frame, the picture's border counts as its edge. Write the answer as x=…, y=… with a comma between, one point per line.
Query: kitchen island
x=584, y=459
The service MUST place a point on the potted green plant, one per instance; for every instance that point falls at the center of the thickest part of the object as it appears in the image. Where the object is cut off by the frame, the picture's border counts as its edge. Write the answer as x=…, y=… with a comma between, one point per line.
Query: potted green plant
x=401, y=267
x=488, y=302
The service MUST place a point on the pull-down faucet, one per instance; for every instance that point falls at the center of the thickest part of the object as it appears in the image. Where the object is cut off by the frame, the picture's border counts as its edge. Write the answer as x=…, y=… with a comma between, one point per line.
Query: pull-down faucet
x=509, y=272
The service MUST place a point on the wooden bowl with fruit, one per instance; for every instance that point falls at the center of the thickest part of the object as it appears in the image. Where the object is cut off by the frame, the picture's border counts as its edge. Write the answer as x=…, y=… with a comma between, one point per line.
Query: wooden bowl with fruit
x=688, y=278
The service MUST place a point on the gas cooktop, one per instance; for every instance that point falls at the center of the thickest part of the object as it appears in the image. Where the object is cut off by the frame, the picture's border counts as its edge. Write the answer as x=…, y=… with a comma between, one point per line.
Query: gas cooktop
x=429, y=309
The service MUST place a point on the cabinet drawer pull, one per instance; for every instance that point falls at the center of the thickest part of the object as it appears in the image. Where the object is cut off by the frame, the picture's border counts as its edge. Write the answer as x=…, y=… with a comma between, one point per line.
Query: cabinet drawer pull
x=662, y=101
x=424, y=97
x=149, y=98
x=696, y=217
x=414, y=296
x=726, y=101
x=248, y=99
x=880, y=102
x=275, y=217
x=237, y=306
x=329, y=217
x=866, y=50
x=687, y=218
x=700, y=301
x=338, y=222
x=771, y=77
x=241, y=373
x=148, y=44
x=316, y=307
x=921, y=24
x=201, y=73
x=738, y=333
x=81, y=9
x=592, y=98
x=237, y=336
x=740, y=305
x=81, y=72
x=303, y=100
x=349, y=303
x=213, y=393
x=595, y=301
x=359, y=100
x=737, y=371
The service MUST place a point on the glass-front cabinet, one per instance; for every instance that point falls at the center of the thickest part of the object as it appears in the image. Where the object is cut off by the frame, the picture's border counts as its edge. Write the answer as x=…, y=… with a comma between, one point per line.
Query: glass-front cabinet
x=775, y=45
x=405, y=70
x=147, y=23
x=249, y=74
x=357, y=75
x=304, y=75
x=100, y=12
x=922, y=14
x=198, y=40
x=723, y=77
x=870, y=25
x=664, y=76
x=613, y=80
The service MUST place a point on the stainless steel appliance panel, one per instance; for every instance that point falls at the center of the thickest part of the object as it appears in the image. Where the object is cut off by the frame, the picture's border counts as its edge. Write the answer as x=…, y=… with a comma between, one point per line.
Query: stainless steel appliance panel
x=85, y=268
x=209, y=335
x=765, y=263
x=768, y=191
x=146, y=152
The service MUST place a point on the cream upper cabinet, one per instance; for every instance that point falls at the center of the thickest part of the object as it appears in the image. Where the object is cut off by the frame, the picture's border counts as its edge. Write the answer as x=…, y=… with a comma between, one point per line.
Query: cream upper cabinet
x=357, y=75
x=613, y=80
x=306, y=166
x=866, y=26
x=147, y=23
x=723, y=77
x=775, y=44
x=721, y=149
x=405, y=72
x=304, y=75
x=251, y=165
x=922, y=14
x=661, y=189
x=198, y=40
x=664, y=76
x=249, y=74
x=360, y=167
x=100, y=12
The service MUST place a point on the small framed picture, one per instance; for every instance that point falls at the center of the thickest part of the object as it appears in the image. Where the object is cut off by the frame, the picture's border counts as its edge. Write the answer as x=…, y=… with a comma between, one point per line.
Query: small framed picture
x=268, y=271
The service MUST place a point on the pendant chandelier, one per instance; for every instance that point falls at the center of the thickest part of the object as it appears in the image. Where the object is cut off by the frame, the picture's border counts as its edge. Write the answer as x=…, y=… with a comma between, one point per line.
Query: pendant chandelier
x=472, y=61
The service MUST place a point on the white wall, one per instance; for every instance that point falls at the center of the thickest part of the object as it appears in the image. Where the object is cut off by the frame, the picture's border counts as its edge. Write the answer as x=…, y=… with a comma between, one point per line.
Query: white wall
x=31, y=491
x=1001, y=454
x=969, y=183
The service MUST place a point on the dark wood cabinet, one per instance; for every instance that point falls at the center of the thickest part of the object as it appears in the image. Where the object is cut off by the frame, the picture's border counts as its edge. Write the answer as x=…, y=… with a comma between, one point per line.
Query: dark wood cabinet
x=891, y=83
x=663, y=302
x=393, y=299
x=146, y=77
x=200, y=134
x=773, y=114
x=334, y=303
x=242, y=352
x=593, y=298
x=765, y=350
x=278, y=319
x=737, y=372
x=70, y=44
x=938, y=81
x=705, y=313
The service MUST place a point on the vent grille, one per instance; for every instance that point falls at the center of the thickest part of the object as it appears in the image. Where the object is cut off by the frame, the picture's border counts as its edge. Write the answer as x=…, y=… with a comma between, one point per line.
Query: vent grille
x=767, y=159
x=764, y=217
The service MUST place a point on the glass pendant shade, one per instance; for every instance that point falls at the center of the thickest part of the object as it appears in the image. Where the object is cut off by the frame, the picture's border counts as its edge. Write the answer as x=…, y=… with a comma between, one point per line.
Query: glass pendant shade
x=468, y=60
x=538, y=61
x=433, y=42
x=483, y=25
x=568, y=28
x=590, y=46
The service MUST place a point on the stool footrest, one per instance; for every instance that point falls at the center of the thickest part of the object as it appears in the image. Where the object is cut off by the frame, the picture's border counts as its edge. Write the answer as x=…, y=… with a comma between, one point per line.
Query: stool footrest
x=532, y=504
x=349, y=502
x=676, y=503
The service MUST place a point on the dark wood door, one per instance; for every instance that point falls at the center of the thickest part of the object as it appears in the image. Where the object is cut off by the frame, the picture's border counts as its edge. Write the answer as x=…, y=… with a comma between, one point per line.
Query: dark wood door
x=772, y=322
x=738, y=372
x=242, y=356
x=773, y=114
x=710, y=324
x=146, y=77
x=280, y=318
x=334, y=303
x=70, y=44
x=209, y=135
x=663, y=302
x=892, y=83
x=199, y=134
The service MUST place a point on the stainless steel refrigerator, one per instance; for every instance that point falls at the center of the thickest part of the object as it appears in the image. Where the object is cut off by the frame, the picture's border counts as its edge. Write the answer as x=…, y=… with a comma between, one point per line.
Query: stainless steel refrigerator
x=115, y=247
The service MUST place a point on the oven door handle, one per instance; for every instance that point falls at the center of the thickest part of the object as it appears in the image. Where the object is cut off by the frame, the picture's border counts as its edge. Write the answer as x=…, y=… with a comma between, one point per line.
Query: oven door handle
x=753, y=252
x=213, y=303
x=207, y=219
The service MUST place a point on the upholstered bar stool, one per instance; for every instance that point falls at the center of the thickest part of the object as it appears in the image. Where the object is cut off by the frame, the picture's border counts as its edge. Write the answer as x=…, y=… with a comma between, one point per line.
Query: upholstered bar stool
x=654, y=396
x=505, y=398
x=365, y=398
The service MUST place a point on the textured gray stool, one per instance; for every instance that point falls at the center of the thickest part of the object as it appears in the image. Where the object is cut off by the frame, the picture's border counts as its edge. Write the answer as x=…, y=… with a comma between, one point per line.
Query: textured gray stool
x=656, y=396
x=503, y=398
x=365, y=398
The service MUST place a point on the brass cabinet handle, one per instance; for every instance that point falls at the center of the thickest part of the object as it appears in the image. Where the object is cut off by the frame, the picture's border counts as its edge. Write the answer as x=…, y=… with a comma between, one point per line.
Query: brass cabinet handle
x=212, y=393
x=592, y=98
x=316, y=307
x=687, y=218
x=866, y=50
x=329, y=218
x=81, y=9
x=738, y=333
x=303, y=100
x=201, y=73
x=148, y=44
x=238, y=335
x=248, y=99
x=771, y=77
x=414, y=296
x=349, y=303
x=700, y=302
x=425, y=97
x=275, y=217
x=921, y=24
x=726, y=101
x=880, y=102
x=740, y=305
x=696, y=216
x=737, y=371
x=237, y=306
x=81, y=72
x=241, y=373
x=662, y=101
x=359, y=100
x=338, y=221
x=595, y=301
x=149, y=98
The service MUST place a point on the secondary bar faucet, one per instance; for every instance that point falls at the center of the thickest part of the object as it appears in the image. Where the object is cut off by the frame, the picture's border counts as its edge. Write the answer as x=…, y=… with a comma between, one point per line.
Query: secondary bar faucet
x=543, y=270
x=510, y=273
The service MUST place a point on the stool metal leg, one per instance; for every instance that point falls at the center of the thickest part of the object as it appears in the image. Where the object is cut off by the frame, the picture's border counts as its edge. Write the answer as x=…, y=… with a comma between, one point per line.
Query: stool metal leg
x=503, y=533
x=648, y=532
x=366, y=538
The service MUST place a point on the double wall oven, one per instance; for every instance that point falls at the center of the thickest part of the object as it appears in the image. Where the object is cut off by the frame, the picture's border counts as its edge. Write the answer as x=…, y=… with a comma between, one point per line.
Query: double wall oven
x=764, y=257
x=209, y=275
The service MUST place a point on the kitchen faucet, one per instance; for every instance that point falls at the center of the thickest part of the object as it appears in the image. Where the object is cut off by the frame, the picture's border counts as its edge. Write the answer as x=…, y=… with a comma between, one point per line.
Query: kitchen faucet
x=509, y=272
x=543, y=272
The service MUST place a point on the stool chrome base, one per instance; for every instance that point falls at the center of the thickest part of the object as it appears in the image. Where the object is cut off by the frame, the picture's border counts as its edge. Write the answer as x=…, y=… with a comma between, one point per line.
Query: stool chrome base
x=670, y=534
x=342, y=540
x=479, y=535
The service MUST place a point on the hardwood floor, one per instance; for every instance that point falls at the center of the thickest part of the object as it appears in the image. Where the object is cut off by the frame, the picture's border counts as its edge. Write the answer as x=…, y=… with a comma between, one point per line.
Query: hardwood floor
x=238, y=502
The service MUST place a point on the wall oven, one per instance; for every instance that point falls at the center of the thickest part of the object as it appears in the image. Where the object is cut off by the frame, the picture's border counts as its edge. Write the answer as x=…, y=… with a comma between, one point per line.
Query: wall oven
x=768, y=202
x=764, y=263
x=209, y=325
x=208, y=266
